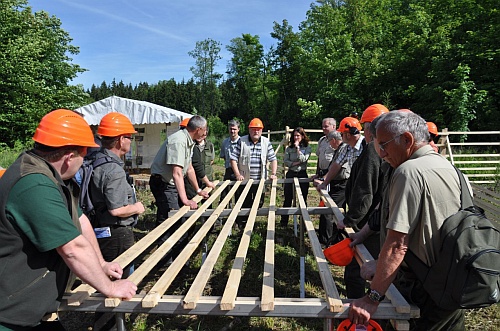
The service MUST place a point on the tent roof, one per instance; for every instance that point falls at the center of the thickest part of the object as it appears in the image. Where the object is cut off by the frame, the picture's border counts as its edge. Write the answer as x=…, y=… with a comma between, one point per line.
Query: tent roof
x=139, y=112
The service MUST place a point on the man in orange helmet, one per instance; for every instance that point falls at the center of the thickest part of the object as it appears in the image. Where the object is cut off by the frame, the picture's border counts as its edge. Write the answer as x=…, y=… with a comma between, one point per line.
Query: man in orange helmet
x=363, y=195
x=115, y=202
x=249, y=160
x=433, y=133
x=42, y=230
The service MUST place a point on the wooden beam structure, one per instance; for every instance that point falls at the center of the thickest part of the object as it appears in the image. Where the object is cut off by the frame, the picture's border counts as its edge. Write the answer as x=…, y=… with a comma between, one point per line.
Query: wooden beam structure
x=156, y=301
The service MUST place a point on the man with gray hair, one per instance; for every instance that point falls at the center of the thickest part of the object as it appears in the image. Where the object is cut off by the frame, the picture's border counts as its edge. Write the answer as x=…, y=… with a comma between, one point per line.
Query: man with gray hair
x=170, y=165
x=424, y=190
x=324, y=152
x=327, y=231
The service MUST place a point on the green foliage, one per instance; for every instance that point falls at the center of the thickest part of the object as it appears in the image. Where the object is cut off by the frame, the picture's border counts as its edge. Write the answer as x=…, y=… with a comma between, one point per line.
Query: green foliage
x=34, y=70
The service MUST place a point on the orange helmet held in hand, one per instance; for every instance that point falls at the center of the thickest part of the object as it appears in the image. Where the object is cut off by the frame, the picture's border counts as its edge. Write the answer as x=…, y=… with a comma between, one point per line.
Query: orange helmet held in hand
x=256, y=123
x=340, y=254
x=115, y=124
x=350, y=125
x=372, y=112
x=347, y=325
x=63, y=127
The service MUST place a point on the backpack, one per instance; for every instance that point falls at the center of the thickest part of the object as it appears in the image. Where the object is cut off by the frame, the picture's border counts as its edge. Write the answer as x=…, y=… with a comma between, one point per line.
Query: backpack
x=466, y=273
x=84, y=176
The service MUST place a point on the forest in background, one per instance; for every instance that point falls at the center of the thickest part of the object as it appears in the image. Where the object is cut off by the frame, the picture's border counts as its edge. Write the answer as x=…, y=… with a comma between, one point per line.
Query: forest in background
x=438, y=58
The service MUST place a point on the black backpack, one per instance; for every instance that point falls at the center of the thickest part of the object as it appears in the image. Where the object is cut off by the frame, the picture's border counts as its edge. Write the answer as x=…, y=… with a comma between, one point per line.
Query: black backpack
x=90, y=162
x=466, y=273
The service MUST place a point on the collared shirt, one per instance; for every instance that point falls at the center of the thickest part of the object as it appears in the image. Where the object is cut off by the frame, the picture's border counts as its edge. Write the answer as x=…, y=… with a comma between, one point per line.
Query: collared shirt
x=227, y=148
x=423, y=192
x=350, y=154
x=255, y=156
x=176, y=150
x=325, y=153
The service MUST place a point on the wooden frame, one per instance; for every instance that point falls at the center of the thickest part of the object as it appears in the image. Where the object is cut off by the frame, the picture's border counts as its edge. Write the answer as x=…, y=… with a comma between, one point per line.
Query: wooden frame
x=84, y=298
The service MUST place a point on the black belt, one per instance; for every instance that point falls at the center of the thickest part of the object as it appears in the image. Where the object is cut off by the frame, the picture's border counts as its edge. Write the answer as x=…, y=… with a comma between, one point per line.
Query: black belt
x=322, y=172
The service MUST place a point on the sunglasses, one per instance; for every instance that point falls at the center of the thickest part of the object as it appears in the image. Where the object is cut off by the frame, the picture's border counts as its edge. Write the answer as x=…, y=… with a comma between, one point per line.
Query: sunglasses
x=382, y=146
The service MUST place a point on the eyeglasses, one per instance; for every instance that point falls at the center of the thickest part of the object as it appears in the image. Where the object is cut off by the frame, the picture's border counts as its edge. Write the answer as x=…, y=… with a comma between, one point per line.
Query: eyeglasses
x=128, y=137
x=382, y=146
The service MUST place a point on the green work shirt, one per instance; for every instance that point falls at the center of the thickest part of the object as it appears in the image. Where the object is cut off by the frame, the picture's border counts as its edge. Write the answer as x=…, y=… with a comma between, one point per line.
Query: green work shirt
x=176, y=150
x=47, y=222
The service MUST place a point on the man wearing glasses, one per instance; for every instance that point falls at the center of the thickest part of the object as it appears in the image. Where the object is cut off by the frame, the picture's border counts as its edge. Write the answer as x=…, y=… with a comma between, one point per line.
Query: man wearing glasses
x=424, y=190
x=116, y=206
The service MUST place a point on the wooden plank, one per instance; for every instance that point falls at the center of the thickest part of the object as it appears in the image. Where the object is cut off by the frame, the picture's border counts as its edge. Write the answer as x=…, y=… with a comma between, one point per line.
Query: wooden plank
x=486, y=191
x=231, y=290
x=162, y=284
x=267, y=303
x=140, y=273
x=199, y=283
x=332, y=294
x=84, y=291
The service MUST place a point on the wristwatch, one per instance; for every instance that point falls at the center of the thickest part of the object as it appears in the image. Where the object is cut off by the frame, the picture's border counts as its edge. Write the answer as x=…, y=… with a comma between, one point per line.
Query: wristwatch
x=375, y=296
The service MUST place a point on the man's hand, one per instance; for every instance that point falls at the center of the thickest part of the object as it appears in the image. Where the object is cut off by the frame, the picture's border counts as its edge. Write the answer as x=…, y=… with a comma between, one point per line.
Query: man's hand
x=192, y=204
x=140, y=207
x=272, y=177
x=210, y=184
x=240, y=178
x=204, y=194
x=123, y=289
x=361, y=310
x=112, y=270
x=340, y=224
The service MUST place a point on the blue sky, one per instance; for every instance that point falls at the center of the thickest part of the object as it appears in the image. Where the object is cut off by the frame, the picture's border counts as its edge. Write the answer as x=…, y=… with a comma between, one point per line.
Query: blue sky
x=149, y=40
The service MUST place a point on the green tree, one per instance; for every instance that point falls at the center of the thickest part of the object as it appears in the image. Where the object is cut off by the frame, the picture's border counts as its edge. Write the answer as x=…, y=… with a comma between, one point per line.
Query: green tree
x=35, y=70
x=206, y=54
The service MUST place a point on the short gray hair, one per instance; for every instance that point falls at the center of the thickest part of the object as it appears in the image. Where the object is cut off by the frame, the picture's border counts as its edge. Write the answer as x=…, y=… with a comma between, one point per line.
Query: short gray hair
x=331, y=120
x=196, y=122
x=396, y=123
x=334, y=135
x=232, y=123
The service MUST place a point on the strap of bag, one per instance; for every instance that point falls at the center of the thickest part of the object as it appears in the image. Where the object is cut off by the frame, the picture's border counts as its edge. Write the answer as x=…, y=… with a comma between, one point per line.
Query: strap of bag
x=418, y=266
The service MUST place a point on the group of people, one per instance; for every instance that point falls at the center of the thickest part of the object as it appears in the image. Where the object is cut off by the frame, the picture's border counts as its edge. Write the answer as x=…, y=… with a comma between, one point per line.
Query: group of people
x=395, y=190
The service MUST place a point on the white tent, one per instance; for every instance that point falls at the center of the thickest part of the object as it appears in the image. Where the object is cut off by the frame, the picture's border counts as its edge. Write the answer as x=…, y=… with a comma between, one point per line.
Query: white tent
x=152, y=123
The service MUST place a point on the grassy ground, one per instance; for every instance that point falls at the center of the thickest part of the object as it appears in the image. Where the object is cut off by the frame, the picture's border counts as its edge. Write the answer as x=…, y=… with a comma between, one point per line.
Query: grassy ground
x=286, y=283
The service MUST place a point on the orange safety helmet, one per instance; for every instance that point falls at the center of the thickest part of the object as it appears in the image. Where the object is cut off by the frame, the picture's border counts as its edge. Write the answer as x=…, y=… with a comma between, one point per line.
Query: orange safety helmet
x=350, y=125
x=184, y=122
x=256, y=123
x=2, y=171
x=115, y=124
x=347, y=325
x=373, y=112
x=63, y=127
x=432, y=128
x=340, y=254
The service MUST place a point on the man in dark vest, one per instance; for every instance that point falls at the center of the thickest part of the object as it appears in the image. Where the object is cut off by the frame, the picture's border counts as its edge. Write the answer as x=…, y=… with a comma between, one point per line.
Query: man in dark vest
x=44, y=234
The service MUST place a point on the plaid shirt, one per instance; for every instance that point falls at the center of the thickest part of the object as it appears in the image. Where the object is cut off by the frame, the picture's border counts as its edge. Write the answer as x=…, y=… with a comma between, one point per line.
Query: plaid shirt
x=350, y=154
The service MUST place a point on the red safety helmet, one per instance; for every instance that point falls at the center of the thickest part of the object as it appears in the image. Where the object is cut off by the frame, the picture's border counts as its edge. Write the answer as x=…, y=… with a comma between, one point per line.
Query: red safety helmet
x=184, y=122
x=340, y=254
x=373, y=112
x=256, y=123
x=347, y=325
x=115, y=124
x=350, y=125
x=432, y=128
x=63, y=127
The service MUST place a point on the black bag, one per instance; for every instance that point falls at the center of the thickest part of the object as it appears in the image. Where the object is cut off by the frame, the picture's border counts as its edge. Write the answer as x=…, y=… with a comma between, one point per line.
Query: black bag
x=466, y=273
x=90, y=162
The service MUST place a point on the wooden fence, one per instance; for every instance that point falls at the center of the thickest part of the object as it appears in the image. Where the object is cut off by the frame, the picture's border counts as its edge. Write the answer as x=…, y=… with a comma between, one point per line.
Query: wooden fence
x=481, y=167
